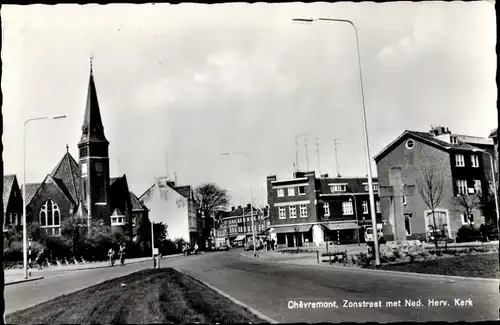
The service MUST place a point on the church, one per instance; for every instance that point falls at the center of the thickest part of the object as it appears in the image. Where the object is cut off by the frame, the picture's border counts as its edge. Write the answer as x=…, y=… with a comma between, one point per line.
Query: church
x=83, y=188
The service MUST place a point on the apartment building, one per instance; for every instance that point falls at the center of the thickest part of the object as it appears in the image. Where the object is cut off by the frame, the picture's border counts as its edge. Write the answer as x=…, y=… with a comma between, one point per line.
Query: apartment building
x=235, y=226
x=457, y=161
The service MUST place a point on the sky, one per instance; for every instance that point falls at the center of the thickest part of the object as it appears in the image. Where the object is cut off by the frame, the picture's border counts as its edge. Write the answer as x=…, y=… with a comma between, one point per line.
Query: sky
x=179, y=84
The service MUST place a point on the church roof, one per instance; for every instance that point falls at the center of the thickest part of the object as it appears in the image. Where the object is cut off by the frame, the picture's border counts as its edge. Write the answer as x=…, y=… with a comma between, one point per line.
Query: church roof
x=136, y=203
x=8, y=182
x=31, y=190
x=92, y=128
x=81, y=212
x=68, y=172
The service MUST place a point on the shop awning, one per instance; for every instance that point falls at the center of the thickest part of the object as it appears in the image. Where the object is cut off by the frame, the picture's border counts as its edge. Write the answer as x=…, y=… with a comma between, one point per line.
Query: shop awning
x=240, y=237
x=341, y=226
x=291, y=229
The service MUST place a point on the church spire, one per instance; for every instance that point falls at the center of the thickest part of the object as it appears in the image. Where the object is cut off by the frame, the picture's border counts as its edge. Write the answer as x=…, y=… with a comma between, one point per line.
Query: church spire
x=92, y=128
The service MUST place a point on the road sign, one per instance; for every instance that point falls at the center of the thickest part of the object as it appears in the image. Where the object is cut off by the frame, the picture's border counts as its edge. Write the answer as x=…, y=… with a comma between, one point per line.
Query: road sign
x=156, y=251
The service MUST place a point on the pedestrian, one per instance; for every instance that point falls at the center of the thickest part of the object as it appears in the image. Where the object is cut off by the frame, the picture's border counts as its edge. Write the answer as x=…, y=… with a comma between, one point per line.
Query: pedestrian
x=121, y=253
x=184, y=249
x=111, y=255
x=196, y=249
x=272, y=243
x=39, y=259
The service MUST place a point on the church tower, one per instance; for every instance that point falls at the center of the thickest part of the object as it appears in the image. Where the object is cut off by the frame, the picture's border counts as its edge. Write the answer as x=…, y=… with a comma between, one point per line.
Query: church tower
x=94, y=159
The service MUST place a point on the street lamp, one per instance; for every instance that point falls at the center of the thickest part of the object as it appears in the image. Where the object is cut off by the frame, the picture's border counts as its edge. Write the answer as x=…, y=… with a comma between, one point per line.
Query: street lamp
x=365, y=129
x=25, y=231
x=494, y=181
x=356, y=214
x=251, y=196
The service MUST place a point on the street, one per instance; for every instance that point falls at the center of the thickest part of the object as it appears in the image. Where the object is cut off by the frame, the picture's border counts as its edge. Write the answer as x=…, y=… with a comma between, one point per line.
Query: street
x=272, y=288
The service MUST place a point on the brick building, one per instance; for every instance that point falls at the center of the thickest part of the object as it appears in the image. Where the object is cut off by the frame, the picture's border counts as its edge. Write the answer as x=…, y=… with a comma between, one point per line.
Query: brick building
x=306, y=209
x=235, y=226
x=12, y=202
x=75, y=187
x=455, y=160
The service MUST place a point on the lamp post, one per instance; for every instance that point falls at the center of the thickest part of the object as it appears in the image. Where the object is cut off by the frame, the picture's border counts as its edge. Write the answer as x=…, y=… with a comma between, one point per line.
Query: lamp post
x=356, y=215
x=25, y=231
x=494, y=182
x=365, y=128
x=251, y=196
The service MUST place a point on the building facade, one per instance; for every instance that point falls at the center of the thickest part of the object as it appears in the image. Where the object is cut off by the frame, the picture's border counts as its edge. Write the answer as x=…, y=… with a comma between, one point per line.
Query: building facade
x=235, y=226
x=306, y=210
x=176, y=207
x=82, y=189
x=454, y=162
x=12, y=202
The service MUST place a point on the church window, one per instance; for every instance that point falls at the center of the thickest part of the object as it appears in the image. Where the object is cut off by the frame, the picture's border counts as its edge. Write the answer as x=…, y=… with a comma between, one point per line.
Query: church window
x=84, y=169
x=50, y=218
x=99, y=167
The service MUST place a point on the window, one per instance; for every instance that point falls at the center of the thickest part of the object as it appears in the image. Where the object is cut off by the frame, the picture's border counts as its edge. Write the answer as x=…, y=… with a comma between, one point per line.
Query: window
x=99, y=167
x=326, y=208
x=338, y=188
x=462, y=187
x=291, y=191
x=408, y=224
x=378, y=206
x=347, y=208
x=453, y=140
x=465, y=220
x=50, y=217
x=303, y=211
x=282, y=213
x=404, y=200
x=374, y=186
x=410, y=144
x=475, y=161
x=281, y=192
x=134, y=220
x=84, y=169
x=459, y=160
x=302, y=190
x=477, y=186
x=365, y=207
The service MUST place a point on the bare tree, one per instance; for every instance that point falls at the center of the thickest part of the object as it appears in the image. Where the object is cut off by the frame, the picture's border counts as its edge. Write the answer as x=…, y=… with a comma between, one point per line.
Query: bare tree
x=431, y=189
x=466, y=204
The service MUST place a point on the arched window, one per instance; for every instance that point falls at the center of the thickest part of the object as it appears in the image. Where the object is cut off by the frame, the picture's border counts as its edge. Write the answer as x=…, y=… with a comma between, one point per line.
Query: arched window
x=50, y=218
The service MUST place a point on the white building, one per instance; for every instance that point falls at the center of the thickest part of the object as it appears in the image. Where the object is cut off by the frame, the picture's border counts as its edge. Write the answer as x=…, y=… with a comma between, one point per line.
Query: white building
x=175, y=206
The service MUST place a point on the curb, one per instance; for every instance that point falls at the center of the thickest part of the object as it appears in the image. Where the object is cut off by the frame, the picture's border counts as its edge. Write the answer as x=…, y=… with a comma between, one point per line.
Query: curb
x=69, y=268
x=234, y=300
x=24, y=280
x=407, y=274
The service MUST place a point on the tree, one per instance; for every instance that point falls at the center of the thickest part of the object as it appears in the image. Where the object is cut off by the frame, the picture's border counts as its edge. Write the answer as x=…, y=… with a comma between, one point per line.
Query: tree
x=431, y=188
x=72, y=229
x=466, y=204
x=210, y=199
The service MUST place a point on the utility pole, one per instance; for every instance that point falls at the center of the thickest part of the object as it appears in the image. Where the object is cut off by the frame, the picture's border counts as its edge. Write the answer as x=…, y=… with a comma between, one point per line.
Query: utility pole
x=307, y=153
x=118, y=163
x=175, y=179
x=296, y=165
x=337, y=166
x=319, y=161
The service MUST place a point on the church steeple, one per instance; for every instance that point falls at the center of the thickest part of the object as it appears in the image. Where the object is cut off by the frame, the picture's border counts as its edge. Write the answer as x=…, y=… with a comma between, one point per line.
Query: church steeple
x=92, y=128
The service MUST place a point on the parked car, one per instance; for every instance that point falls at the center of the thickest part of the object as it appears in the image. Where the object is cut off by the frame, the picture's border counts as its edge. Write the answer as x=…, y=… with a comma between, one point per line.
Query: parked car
x=249, y=246
x=369, y=235
x=223, y=247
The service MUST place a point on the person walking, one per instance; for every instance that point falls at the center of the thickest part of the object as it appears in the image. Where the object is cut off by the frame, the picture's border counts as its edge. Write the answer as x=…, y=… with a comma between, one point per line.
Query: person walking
x=39, y=258
x=196, y=249
x=121, y=253
x=111, y=255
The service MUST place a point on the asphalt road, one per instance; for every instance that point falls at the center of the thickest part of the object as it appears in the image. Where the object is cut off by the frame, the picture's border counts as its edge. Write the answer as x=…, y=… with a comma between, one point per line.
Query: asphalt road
x=271, y=287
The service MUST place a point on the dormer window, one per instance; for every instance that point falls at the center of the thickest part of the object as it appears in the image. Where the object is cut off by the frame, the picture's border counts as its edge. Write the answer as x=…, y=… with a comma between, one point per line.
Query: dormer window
x=453, y=140
x=335, y=188
x=374, y=185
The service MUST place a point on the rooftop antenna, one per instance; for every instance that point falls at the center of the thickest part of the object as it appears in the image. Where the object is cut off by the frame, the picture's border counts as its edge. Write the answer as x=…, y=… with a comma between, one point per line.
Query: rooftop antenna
x=307, y=153
x=118, y=164
x=166, y=164
x=317, y=151
x=175, y=178
x=337, y=163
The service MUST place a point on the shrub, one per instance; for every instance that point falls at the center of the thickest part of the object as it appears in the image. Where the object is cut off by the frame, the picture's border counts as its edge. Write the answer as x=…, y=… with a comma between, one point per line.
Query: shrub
x=467, y=233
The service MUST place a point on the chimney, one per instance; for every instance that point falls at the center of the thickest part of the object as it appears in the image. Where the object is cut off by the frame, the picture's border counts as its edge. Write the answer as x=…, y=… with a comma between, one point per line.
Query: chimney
x=239, y=206
x=233, y=208
x=271, y=178
x=324, y=176
x=248, y=206
x=171, y=183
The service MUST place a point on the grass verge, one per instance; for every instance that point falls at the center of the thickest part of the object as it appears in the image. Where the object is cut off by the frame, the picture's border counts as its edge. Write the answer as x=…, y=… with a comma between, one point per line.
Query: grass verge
x=150, y=296
x=479, y=266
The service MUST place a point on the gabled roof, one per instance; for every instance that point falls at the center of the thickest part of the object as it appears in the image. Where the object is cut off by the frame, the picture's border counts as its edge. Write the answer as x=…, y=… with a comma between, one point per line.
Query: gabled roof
x=81, y=212
x=426, y=138
x=493, y=133
x=8, y=182
x=136, y=203
x=31, y=190
x=244, y=211
x=473, y=140
x=60, y=185
x=68, y=171
x=117, y=212
x=184, y=190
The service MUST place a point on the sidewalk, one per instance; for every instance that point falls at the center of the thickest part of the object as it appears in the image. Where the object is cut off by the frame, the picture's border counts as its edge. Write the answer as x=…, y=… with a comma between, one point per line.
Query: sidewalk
x=13, y=276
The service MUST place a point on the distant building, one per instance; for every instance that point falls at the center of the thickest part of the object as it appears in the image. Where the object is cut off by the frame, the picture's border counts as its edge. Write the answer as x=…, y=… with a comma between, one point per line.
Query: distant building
x=12, y=202
x=235, y=226
x=310, y=210
x=75, y=187
x=457, y=158
x=176, y=207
